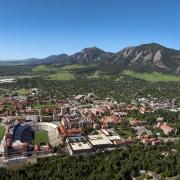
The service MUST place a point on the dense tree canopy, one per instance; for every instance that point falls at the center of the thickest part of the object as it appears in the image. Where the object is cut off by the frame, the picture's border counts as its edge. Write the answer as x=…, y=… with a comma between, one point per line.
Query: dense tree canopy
x=118, y=164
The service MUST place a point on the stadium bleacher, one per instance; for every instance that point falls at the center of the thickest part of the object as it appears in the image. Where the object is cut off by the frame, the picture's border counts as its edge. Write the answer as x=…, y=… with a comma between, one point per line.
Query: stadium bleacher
x=23, y=133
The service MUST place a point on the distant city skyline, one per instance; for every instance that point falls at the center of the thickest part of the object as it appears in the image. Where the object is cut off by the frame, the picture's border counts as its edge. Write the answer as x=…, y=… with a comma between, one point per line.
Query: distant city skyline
x=38, y=28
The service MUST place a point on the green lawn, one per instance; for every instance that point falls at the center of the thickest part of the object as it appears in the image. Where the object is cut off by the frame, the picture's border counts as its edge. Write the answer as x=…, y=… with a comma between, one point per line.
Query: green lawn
x=41, y=137
x=2, y=131
x=152, y=77
x=62, y=75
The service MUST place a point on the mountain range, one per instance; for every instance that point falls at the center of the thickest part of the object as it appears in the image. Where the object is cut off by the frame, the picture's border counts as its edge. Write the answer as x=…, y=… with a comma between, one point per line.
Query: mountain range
x=144, y=58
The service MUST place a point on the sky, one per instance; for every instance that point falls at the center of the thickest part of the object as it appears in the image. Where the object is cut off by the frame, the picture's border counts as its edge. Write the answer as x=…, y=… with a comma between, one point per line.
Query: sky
x=40, y=28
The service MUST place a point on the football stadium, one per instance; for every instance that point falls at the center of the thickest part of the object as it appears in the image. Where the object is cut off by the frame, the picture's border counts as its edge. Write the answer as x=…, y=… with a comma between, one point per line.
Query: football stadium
x=22, y=139
x=51, y=129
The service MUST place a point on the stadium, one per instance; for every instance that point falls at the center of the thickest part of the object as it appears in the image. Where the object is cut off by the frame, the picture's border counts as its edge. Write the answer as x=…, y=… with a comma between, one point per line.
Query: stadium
x=51, y=129
x=22, y=139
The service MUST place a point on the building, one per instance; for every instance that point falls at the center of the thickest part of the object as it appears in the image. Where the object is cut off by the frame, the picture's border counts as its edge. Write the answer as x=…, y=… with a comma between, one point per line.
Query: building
x=43, y=149
x=110, y=134
x=110, y=120
x=149, y=140
x=165, y=128
x=78, y=145
x=53, y=132
x=99, y=141
x=135, y=122
x=75, y=122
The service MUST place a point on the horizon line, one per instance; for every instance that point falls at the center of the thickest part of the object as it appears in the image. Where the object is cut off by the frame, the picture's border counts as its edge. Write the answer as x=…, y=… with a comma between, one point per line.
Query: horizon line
x=69, y=54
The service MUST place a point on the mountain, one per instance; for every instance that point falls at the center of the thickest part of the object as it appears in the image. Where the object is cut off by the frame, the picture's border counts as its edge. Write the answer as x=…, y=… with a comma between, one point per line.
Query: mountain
x=48, y=60
x=150, y=57
x=90, y=55
x=145, y=58
x=85, y=56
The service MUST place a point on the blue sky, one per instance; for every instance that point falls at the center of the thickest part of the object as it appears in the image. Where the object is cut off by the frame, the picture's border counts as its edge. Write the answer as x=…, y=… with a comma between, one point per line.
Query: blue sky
x=39, y=28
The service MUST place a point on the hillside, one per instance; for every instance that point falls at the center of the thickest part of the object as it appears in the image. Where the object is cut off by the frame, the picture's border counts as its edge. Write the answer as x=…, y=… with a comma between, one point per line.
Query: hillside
x=144, y=58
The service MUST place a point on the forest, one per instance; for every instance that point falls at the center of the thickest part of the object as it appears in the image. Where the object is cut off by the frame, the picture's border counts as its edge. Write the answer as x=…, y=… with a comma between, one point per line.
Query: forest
x=118, y=164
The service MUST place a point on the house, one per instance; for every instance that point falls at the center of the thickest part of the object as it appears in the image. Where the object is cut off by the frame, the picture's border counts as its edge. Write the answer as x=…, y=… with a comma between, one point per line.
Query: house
x=165, y=128
x=159, y=119
x=140, y=130
x=64, y=132
x=110, y=120
x=135, y=122
x=148, y=140
x=80, y=97
x=144, y=109
x=121, y=142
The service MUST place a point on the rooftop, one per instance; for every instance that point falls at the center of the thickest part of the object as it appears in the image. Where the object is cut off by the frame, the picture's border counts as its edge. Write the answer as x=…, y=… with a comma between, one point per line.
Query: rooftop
x=80, y=146
x=99, y=139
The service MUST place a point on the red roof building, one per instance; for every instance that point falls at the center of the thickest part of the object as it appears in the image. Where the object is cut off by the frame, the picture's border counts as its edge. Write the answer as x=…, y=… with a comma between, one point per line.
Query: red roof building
x=166, y=128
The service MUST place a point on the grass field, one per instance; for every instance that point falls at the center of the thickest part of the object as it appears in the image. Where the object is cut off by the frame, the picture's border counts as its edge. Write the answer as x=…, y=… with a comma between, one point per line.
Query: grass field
x=41, y=137
x=2, y=131
x=152, y=77
x=125, y=133
x=99, y=74
x=62, y=75
x=43, y=106
x=23, y=91
x=77, y=66
x=40, y=69
x=73, y=67
x=68, y=72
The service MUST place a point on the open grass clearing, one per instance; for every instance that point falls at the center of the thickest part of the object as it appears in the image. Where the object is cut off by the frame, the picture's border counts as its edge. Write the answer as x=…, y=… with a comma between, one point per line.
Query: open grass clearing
x=77, y=66
x=40, y=69
x=152, y=77
x=23, y=91
x=99, y=74
x=62, y=75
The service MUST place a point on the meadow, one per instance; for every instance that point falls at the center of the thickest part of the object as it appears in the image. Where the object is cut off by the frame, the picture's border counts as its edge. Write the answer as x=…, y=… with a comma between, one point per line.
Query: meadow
x=152, y=77
x=62, y=75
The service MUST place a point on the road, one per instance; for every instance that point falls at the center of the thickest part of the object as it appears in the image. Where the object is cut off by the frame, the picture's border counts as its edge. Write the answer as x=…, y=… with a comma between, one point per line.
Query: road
x=172, y=139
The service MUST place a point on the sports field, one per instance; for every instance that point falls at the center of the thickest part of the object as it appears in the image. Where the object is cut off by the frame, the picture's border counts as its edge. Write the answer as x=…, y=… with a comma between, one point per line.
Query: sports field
x=41, y=137
x=2, y=131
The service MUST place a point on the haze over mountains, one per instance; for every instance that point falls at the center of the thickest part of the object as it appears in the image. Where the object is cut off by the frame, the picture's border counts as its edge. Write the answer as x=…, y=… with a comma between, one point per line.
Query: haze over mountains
x=144, y=58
